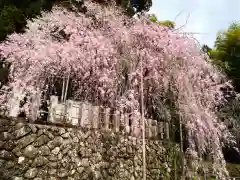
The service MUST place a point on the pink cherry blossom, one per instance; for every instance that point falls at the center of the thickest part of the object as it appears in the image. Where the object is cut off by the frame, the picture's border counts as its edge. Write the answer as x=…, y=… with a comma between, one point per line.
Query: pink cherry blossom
x=97, y=57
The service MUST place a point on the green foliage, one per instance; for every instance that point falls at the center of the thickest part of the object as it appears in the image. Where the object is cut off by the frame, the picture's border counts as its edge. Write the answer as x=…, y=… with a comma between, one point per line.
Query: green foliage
x=141, y=5
x=11, y=19
x=153, y=18
x=134, y=6
x=206, y=49
x=226, y=54
x=169, y=24
x=126, y=5
x=14, y=13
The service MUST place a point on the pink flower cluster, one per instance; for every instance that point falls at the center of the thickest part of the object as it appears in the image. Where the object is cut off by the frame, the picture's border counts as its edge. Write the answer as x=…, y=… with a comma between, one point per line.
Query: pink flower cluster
x=103, y=56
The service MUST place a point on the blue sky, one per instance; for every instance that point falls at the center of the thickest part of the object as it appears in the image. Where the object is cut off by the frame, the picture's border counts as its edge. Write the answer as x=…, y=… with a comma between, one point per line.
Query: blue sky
x=205, y=16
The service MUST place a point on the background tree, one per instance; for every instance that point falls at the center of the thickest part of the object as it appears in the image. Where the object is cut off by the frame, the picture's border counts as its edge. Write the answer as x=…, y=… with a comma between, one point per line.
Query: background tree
x=226, y=53
x=206, y=49
x=167, y=23
x=141, y=5
x=14, y=14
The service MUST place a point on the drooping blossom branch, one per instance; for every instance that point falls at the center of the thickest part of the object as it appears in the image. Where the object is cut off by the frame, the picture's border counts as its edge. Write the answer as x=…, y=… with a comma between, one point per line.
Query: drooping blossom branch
x=101, y=50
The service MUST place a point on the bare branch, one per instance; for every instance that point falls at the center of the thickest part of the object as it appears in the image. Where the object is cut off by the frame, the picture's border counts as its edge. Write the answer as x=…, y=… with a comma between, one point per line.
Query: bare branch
x=183, y=24
x=178, y=15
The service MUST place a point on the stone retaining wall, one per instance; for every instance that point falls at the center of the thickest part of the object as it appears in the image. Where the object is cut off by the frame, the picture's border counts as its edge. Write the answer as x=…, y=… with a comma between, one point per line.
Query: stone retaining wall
x=39, y=152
